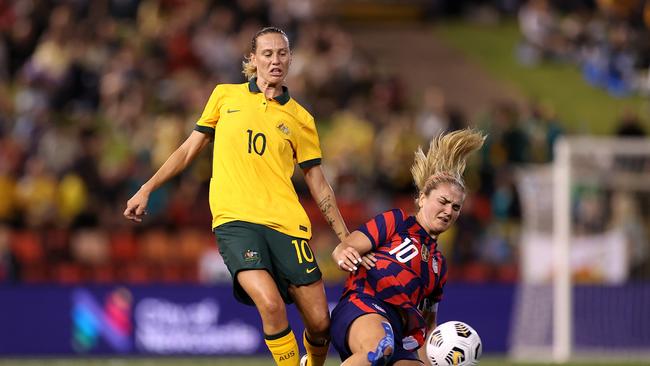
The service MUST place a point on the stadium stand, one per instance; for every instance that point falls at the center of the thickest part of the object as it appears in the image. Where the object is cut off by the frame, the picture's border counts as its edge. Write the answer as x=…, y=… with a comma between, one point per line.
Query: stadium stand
x=95, y=94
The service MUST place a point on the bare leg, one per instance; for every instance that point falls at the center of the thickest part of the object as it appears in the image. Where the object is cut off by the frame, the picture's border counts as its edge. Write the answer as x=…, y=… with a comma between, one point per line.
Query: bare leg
x=409, y=363
x=259, y=285
x=312, y=304
x=364, y=336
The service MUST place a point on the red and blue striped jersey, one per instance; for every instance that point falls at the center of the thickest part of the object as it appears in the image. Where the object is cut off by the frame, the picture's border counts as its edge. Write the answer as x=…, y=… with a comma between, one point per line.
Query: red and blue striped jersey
x=410, y=272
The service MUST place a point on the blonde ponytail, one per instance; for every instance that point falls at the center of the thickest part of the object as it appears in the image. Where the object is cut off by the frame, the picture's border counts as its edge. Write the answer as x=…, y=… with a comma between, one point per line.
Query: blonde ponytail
x=446, y=159
x=248, y=69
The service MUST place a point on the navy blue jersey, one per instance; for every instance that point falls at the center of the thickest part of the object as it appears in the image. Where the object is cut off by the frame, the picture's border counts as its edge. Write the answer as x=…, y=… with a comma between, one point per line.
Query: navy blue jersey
x=410, y=272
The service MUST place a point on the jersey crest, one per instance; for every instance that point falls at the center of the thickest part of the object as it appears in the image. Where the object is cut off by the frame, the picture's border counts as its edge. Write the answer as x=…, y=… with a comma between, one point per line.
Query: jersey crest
x=282, y=127
x=425, y=254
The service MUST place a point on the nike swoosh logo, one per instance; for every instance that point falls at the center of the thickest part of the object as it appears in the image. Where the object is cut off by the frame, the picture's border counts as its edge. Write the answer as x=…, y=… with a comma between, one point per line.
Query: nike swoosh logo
x=232, y=110
x=311, y=270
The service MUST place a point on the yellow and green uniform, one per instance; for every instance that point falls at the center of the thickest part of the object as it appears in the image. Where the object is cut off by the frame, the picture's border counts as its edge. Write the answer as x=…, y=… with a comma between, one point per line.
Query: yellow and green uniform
x=257, y=143
x=257, y=218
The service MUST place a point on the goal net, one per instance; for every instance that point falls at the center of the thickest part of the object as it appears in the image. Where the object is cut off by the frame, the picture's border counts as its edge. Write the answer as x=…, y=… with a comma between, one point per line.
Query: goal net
x=585, y=253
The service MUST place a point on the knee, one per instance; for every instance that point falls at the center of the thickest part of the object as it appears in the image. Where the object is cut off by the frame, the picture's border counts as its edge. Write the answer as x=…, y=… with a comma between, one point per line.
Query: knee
x=375, y=354
x=318, y=327
x=271, y=307
x=379, y=352
x=384, y=346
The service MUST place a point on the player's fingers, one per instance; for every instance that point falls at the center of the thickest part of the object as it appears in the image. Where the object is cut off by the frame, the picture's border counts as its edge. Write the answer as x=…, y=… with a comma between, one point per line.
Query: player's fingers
x=348, y=263
x=354, y=256
x=357, y=257
x=371, y=257
x=345, y=264
x=128, y=212
x=140, y=210
x=351, y=262
x=131, y=213
x=366, y=262
x=134, y=218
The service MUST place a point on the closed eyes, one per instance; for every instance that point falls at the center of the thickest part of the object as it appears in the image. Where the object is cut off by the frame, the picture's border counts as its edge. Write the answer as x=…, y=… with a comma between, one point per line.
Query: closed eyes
x=444, y=201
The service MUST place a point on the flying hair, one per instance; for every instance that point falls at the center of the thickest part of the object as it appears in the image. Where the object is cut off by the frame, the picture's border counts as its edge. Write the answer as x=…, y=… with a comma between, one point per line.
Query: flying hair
x=446, y=159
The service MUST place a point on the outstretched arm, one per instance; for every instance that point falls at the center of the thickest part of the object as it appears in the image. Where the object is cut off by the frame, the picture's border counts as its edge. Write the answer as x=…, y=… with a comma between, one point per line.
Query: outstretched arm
x=177, y=161
x=323, y=194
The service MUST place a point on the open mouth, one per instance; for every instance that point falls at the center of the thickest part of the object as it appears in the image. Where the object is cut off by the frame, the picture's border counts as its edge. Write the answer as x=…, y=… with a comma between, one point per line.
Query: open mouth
x=276, y=72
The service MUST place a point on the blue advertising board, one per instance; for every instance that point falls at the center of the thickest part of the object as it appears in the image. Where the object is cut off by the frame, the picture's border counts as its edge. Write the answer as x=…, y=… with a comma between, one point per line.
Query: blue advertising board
x=185, y=319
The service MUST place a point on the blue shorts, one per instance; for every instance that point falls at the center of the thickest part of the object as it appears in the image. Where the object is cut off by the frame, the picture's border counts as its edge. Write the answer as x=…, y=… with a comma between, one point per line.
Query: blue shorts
x=353, y=306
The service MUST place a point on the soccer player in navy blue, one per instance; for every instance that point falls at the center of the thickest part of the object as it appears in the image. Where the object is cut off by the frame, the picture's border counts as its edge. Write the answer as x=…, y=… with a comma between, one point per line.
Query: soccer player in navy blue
x=397, y=274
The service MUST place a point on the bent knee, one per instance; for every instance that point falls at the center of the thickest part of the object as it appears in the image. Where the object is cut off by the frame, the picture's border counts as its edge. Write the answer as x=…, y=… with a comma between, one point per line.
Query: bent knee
x=318, y=329
x=271, y=307
x=381, y=350
x=386, y=350
x=377, y=353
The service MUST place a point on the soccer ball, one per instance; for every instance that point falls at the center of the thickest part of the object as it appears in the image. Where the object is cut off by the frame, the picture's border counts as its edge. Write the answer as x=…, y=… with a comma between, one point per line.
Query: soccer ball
x=454, y=343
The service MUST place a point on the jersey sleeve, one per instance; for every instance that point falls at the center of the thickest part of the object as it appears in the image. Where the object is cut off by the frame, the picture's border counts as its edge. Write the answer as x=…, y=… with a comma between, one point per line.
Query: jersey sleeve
x=382, y=227
x=308, y=153
x=430, y=303
x=210, y=115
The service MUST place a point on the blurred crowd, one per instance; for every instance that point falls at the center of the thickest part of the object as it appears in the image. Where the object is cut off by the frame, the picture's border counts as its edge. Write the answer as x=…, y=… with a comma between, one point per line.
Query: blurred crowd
x=609, y=40
x=95, y=95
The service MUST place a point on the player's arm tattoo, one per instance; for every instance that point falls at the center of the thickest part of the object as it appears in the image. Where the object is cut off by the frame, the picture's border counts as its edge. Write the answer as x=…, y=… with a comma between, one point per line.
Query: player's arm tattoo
x=326, y=206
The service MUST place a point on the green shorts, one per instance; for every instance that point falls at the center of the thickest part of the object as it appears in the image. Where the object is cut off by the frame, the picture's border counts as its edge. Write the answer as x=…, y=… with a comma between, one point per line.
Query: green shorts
x=288, y=259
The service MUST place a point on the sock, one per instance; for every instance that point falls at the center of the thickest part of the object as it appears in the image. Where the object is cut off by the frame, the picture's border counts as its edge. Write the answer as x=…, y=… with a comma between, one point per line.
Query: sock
x=283, y=347
x=316, y=354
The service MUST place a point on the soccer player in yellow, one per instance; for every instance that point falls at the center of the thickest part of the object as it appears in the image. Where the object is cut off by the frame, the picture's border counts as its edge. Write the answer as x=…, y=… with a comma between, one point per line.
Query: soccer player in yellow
x=259, y=134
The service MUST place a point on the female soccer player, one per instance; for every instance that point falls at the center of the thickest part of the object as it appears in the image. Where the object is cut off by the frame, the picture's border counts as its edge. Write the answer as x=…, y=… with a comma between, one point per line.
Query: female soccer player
x=259, y=134
x=385, y=311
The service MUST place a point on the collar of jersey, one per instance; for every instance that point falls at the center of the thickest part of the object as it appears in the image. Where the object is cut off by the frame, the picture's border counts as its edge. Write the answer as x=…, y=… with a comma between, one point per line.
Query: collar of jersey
x=421, y=230
x=282, y=98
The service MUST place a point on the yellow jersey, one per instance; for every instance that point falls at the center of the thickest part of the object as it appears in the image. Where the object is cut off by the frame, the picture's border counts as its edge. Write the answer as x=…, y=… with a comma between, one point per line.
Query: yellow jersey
x=257, y=143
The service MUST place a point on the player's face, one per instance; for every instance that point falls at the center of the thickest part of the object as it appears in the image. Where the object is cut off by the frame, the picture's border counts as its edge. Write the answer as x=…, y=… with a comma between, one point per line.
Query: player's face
x=272, y=58
x=440, y=208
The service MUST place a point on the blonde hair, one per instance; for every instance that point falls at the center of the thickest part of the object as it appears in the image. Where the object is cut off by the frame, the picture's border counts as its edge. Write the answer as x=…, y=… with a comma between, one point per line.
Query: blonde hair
x=446, y=159
x=248, y=68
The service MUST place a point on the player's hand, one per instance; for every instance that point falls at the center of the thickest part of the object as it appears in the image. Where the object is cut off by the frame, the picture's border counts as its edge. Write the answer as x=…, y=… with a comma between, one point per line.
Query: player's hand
x=136, y=207
x=369, y=260
x=347, y=258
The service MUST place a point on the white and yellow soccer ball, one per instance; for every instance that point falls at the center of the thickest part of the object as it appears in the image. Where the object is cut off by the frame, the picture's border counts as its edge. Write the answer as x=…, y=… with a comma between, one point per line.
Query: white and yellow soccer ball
x=454, y=343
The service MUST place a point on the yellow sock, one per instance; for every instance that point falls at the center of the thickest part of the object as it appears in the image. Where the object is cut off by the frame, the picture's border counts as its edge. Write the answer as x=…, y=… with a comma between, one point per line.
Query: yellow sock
x=283, y=347
x=315, y=354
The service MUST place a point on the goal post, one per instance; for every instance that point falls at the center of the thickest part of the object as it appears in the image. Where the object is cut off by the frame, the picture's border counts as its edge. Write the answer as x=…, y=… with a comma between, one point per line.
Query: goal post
x=585, y=253
x=562, y=294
